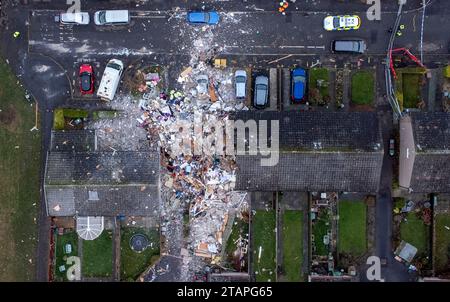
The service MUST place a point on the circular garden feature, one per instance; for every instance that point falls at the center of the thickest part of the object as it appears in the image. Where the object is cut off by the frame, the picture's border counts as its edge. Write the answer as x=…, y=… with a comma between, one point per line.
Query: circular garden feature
x=139, y=242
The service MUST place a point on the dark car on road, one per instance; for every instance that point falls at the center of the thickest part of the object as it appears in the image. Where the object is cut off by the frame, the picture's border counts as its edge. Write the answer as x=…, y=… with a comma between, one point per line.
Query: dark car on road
x=298, y=85
x=391, y=147
x=86, y=79
x=348, y=46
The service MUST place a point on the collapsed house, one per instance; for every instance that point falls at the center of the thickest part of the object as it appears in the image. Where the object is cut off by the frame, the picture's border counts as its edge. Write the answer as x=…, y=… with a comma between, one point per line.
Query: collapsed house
x=318, y=152
x=88, y=179
x=424, y=165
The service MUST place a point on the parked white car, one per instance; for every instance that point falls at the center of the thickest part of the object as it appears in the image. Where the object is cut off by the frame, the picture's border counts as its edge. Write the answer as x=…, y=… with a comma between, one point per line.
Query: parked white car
x=240, y=83
x=80, y=18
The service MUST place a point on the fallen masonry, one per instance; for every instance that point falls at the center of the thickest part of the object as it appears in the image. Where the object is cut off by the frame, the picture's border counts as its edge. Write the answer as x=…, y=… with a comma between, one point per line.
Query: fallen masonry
x=202, y=181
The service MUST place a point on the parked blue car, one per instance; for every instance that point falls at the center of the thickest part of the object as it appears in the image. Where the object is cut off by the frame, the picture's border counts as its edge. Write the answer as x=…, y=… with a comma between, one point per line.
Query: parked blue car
x=210, y=18
x=298, y=85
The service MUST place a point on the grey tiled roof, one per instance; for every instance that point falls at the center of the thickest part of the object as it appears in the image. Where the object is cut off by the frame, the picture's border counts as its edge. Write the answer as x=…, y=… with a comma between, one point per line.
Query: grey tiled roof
x=319, y=151
x=128, y=200
x=431, y=170
x=127, y=167
x=121, y=182
x=73, y=140
x=431, y=131
x=329, y=130
x=308, y=171
x=431, y=173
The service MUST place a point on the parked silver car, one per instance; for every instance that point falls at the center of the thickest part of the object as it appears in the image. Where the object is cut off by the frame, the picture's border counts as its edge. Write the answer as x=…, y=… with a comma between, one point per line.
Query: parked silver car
x=240, y=83
x=261, y=92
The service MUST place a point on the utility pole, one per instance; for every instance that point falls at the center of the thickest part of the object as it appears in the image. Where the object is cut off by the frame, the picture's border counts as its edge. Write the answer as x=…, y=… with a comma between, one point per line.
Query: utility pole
x=421, y=30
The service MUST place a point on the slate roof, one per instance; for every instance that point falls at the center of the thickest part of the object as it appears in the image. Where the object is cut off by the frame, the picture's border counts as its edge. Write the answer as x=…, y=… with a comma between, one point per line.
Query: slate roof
x=319, y=151
x=336, y=131
x=69, y=168
x=130, y=200
x=431, y=169
x=80, y=180
x=73, y=140
x=431, y=132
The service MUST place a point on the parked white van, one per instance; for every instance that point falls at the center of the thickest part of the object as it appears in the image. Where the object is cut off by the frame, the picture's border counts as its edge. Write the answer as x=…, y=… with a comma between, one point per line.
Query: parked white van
x=112, y=17
x=110, y=80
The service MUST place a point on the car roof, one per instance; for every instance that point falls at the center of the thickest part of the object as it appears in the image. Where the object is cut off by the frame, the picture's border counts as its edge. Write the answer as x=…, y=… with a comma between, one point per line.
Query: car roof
x=116, y=14
x=197, y=16
x=75, y=17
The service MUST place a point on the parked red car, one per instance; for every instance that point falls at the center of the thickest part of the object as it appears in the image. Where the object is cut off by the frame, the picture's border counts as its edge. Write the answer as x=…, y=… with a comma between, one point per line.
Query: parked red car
x=86, y=79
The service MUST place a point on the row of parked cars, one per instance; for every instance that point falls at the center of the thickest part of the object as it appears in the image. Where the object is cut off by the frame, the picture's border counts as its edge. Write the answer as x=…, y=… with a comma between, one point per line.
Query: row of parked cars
x=122, y=17
x=261, y=88
x=102, y=17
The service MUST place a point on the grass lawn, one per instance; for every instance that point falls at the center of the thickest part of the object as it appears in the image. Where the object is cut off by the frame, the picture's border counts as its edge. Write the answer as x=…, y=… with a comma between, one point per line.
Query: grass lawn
x=132, y=263
x=61, y=241
x=415, y=232
x=19, y=181
x=442, y=242
x=318, y=74
x=263, y=227
x=293, y=245
x=352, y=228
x=363, y=88
x=98, y=256
x=320, y=229
x=411, y=90
x=60, y=113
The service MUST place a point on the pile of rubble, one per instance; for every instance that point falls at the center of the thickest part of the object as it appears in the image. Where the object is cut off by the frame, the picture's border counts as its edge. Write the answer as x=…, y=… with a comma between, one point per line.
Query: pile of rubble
x=201, y=182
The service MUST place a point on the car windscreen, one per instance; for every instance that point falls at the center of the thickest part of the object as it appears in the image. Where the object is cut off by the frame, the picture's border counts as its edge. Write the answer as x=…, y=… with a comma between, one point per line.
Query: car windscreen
x=114, y=66
x=202, y=81
x=336, y=22
x=299, y=79
x=102, y=17
x=240, y=79
x=85, y=81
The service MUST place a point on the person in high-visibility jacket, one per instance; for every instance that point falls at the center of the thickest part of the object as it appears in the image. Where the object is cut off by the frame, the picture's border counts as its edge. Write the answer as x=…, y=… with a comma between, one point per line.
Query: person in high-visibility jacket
x=16, y=34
